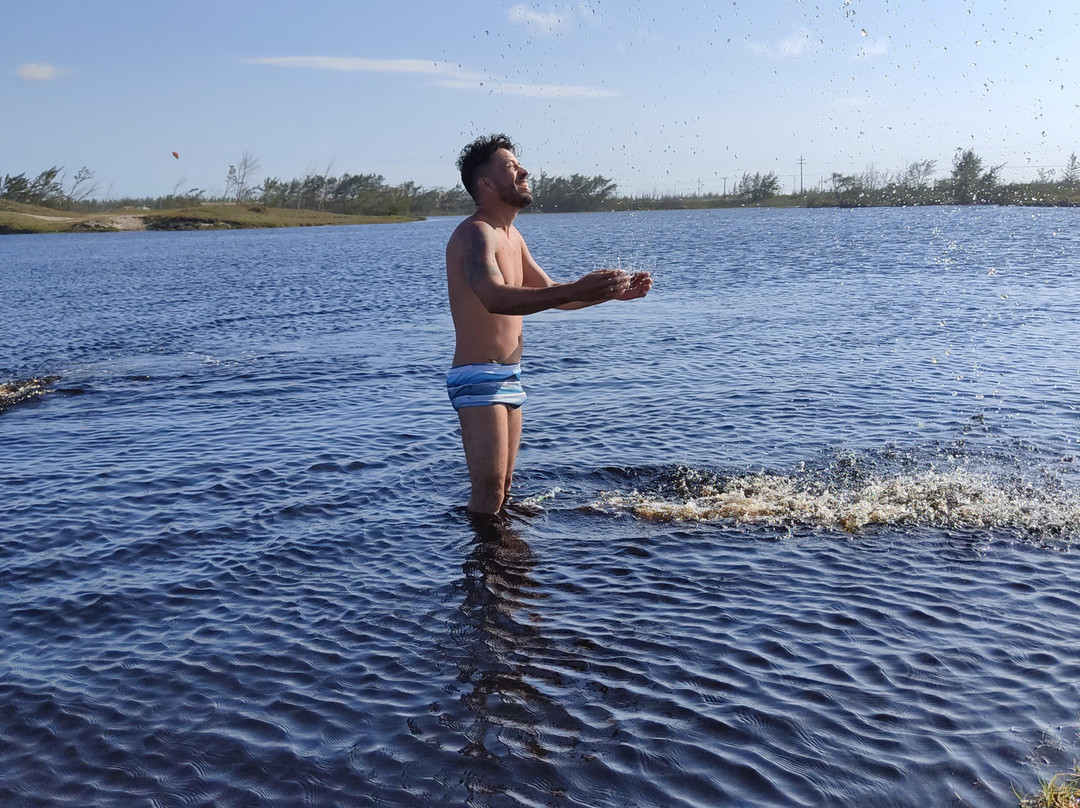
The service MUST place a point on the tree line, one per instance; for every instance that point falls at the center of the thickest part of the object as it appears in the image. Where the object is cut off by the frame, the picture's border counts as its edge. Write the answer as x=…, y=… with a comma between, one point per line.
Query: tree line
x=49, y=189
x=969, y=182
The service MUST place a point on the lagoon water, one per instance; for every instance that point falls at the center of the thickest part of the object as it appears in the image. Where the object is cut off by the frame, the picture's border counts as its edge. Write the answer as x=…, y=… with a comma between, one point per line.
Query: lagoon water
x=802, y=528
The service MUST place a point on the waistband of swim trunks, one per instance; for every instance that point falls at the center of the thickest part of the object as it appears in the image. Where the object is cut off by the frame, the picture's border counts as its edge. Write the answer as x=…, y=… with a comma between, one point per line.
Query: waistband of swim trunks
x=484, y=369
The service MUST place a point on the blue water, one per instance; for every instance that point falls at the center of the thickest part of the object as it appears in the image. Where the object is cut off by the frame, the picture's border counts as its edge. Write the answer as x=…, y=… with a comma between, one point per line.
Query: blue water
x=801, y=528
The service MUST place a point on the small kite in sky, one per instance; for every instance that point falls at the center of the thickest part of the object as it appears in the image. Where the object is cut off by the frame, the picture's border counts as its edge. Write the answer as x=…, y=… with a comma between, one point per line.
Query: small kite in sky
x=176, y=155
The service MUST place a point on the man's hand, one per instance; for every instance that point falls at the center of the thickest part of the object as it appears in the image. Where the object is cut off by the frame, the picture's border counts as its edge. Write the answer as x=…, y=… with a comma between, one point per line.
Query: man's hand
x=601, y=285
x=640, y=284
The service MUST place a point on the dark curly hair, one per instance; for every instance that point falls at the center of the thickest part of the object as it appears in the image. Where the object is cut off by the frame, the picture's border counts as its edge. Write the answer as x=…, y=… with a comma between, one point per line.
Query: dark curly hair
x=474, y=156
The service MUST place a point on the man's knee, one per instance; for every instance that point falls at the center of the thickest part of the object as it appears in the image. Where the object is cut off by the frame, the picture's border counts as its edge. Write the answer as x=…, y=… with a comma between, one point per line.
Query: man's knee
x=485, y=433
x=487, y=496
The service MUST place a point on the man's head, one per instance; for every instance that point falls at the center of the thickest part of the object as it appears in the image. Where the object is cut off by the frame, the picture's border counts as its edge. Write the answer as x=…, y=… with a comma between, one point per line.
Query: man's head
x=491, y=163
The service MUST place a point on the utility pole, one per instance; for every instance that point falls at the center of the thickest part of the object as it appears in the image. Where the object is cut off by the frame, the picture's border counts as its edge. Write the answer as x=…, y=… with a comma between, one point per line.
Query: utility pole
x=802, y=162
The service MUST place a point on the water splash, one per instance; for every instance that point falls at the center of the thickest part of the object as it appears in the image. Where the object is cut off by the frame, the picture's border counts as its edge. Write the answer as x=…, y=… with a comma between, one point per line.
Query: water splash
x=536, y=501
x=628, y=265
x=20, y=390
x=955, y=497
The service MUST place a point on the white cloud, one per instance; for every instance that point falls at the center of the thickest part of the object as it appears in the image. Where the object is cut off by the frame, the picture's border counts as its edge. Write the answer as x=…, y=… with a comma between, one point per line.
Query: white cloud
x=355, y=64
x=796, y=45
x=791, y=47
x=449, y=75
x=532, y=90
x=872, y=48
x=40, y=71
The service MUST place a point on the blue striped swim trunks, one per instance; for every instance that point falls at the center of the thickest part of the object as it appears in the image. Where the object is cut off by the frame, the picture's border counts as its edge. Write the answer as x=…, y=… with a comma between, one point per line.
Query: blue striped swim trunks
x=484, y=384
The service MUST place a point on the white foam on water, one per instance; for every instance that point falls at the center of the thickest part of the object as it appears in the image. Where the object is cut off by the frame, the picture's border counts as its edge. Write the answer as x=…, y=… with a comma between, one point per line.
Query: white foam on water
x=957, y=498
x=536, y=502
x=19, y=390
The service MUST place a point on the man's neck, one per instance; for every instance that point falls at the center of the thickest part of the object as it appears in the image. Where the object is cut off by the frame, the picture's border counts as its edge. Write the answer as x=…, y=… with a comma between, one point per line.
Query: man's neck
x=499, y=215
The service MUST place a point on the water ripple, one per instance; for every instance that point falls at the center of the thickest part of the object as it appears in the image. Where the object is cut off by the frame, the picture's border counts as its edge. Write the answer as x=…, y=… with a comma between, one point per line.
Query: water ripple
x=797, y=530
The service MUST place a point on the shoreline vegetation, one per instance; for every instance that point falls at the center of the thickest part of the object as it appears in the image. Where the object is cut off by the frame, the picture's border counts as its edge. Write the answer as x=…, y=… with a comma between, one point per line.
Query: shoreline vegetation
x=19, y=218
x=1060, y=791
x=49, y=203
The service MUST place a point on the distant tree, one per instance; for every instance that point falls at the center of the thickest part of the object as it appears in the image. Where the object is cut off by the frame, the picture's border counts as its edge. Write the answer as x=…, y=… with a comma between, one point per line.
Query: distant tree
x=82, y=187
x=45, y=189
x=911, y=186
x=230, y=182
x=398, y=201
x=1071, y=176
x=325, y=187
x=757, y=187
x=313, y=192
x=437, y=201
x=238, y=181
x=915, y=179
x=272, y=193
x=574, y=193
x=919, y=173
x=871, y=180
x=969, y=182
x=848, y=190
x=358, y=193
x=14, y=188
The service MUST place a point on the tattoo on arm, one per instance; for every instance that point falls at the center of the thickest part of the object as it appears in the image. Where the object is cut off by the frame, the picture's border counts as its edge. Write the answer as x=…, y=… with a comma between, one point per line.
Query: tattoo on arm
x=478, y=265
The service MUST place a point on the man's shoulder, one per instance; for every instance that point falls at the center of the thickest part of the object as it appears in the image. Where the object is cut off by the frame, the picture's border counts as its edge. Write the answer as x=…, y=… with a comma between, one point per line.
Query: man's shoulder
x=468, y=227
x=477, y=229
x=465, y=229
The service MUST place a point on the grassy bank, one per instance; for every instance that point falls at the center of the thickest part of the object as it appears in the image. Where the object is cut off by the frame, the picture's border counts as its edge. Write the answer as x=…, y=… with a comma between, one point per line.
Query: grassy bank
x=19, y=218
x=1062, y=791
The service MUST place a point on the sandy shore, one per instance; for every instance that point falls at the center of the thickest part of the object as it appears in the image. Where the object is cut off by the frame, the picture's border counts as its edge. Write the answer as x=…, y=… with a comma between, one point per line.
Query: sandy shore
x=20, y=219
x=114, y=223
x=109, y=222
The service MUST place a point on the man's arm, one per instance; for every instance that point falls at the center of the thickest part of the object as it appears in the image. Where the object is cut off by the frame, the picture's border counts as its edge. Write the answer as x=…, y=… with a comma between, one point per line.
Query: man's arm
x=487, y=281
x=639, y=283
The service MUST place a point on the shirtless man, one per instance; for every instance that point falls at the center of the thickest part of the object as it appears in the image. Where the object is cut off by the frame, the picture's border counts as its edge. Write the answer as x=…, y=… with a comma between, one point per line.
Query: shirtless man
x=492, y=281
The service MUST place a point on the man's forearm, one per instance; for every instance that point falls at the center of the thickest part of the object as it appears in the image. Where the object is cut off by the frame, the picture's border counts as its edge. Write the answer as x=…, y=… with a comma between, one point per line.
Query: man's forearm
x=574, y=305
x=520, y=300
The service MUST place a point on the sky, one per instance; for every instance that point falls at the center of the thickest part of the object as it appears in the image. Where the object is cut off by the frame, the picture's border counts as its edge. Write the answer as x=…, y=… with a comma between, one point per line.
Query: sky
x=662, y=96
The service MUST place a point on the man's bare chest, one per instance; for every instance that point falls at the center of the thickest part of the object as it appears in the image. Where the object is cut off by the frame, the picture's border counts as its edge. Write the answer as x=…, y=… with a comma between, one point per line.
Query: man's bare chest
x=509, y=262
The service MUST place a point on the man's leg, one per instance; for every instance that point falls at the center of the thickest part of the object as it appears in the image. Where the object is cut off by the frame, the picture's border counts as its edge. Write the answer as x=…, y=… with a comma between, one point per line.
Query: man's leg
x=513, y=441
x=485, y=434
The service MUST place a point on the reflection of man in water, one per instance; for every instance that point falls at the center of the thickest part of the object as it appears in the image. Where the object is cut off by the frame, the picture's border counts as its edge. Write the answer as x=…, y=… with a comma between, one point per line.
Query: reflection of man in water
x=493, y=281
x=496, y=641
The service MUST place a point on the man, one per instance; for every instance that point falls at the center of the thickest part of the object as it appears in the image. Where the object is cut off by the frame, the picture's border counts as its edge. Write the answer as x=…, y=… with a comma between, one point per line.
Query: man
x=492, y=282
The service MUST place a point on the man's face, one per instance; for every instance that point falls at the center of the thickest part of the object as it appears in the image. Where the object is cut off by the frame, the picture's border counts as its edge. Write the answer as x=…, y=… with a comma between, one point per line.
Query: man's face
x=510, y=179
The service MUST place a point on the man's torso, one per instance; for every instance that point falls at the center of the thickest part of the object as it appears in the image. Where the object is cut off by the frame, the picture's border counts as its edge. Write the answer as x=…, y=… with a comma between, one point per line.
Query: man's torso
x=483, y=337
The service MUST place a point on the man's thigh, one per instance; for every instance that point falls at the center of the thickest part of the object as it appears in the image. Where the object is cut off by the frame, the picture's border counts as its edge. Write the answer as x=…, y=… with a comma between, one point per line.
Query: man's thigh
x=485, y=434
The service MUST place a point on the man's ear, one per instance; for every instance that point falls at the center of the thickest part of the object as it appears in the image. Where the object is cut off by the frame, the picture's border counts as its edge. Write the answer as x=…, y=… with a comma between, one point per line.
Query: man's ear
x=485, y=182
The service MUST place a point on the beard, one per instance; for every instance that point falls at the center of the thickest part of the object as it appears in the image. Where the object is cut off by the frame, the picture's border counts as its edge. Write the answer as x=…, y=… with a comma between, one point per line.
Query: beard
x=518, y=197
